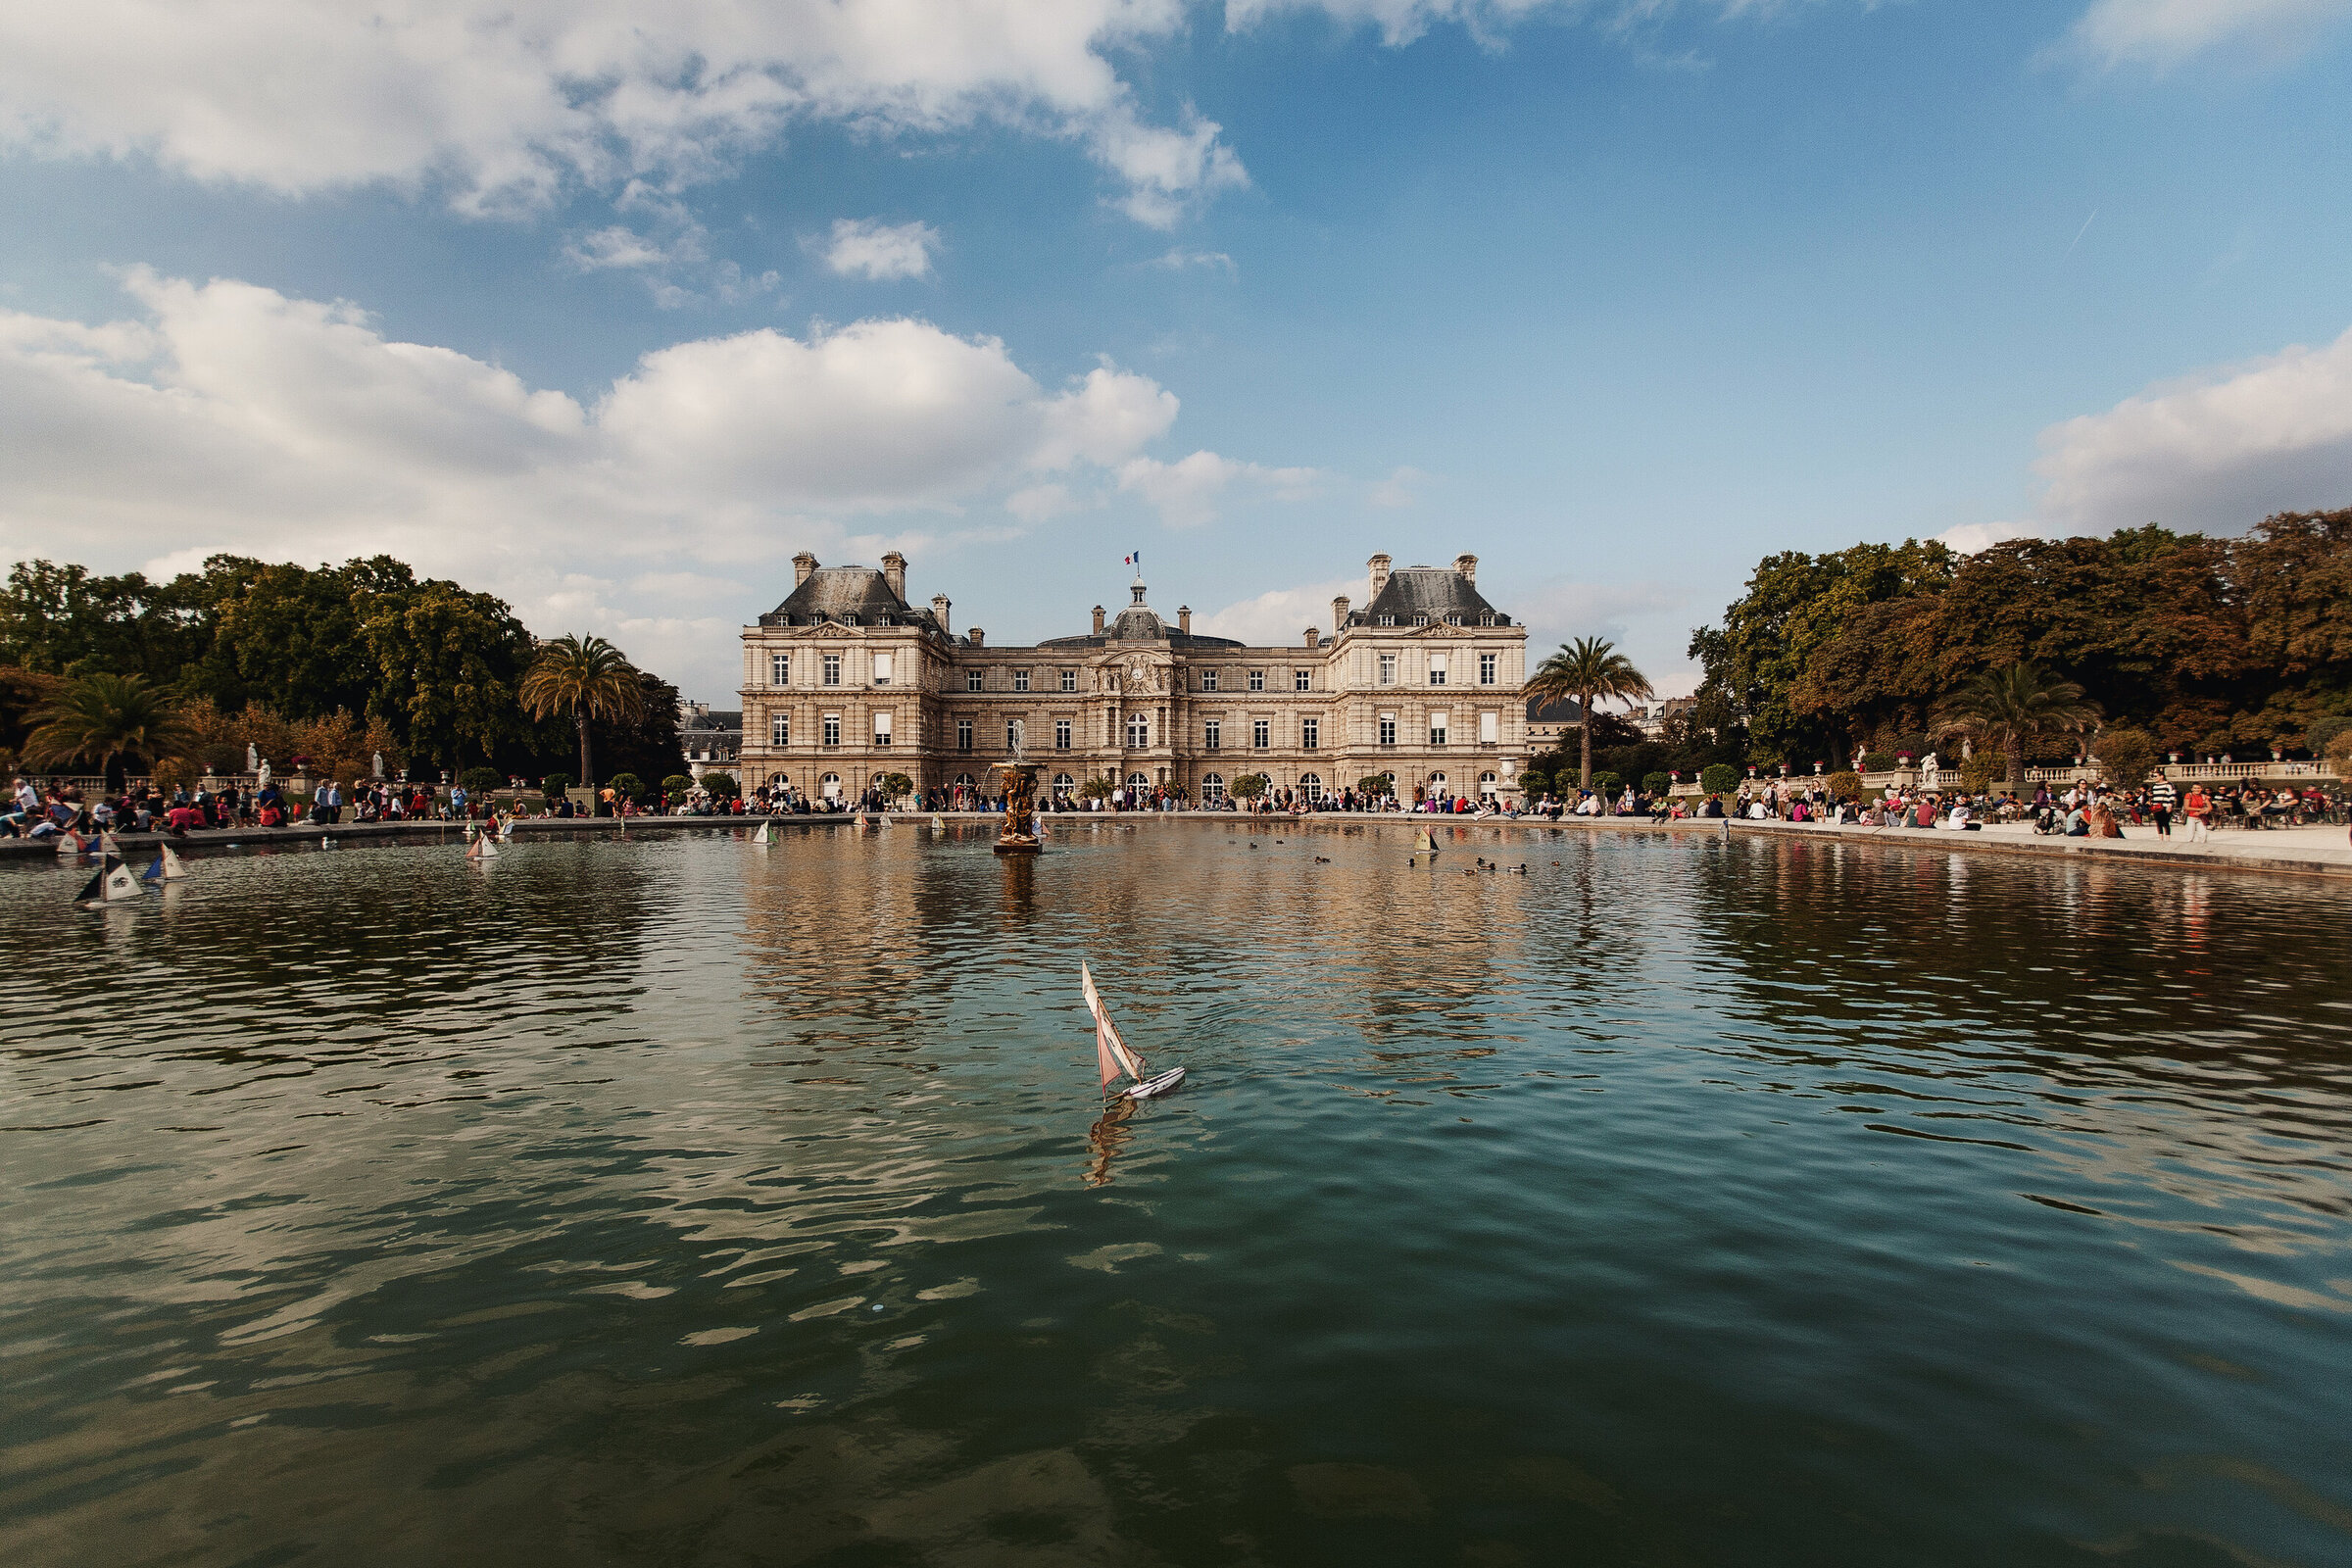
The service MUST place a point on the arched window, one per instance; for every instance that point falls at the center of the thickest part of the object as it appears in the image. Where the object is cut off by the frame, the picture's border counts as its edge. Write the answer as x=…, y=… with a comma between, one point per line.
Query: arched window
x=830, y=786
x=1311, y=786
x=1212, y=787
x=965, y=781
x=1063, y=783
x=1138, y=781
x=1437, y=781
x=1486, y=785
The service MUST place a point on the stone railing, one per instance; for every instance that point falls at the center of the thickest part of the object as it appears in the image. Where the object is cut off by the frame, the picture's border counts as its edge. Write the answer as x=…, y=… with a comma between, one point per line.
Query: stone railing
x=1947, y=780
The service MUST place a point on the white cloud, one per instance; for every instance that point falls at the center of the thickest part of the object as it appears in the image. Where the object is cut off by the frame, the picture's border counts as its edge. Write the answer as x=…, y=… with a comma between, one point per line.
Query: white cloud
x=1189, y=490
x=2161, y=33
x=1396, y=490
x=1180, y=260
x=867, y=247
x=230, y=416
x=504, y=104
x=1561, y=608
x=1970, y=537
x=1280, y=617
x=2217, y=451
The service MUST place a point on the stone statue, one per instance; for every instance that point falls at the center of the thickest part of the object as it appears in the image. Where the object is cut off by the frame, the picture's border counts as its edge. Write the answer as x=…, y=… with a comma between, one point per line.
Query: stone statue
x=1927, y=765
x=253, y=758
x=262, y=775
x=379, y=764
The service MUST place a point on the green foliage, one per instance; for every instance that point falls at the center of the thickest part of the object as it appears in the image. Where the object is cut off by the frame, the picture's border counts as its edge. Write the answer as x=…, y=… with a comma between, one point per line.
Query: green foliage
x=677, y=784
x=894, y=785
x=723, y=785
x=2325, y=730
x=643, y=742
x=1249, y=786
x=628, y=786
x=1844, y=784
x=554, y=785
x=1590, y=671
x=2013, y=709
x=108, y=720
x=1719, y=778
x=1376, y=784
x=1656, y=784
x=480, y=781
x=1878, y=761
x=1607, y=783
x=1530, y=783
x=1096, y=788
x=583, y=679
x=2126, y=754
x=1978, y=773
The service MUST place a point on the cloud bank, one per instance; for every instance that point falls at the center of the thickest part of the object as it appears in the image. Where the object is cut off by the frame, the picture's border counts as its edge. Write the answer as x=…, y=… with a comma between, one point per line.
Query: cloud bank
x=2163, y=33
x=501, y=104
x=224, y=415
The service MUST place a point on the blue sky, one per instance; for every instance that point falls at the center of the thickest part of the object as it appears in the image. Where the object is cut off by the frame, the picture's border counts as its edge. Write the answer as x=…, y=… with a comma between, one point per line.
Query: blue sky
x=614, y=309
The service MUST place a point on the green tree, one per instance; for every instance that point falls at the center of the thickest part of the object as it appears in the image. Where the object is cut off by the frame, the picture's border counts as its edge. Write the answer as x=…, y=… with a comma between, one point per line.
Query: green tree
x=1588, y=669
x=479, y=782
x=2126, y=754
x=893, y=786
x=1250, y=786
x=1656, y=784
x=1719, y=778
x=2013, y=709
x=554, y=785
x=450, y=664
x=721, y=786
x=628, y=786
x=646, y=741
x=583, y=678
x=1845, y=785
x=106, y=720
x=1533, y=784
x=677, y=784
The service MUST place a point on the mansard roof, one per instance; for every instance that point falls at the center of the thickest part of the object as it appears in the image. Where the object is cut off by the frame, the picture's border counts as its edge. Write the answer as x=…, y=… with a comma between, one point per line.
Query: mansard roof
x=1435, y=593
x=851, y=595
x=1554, y=711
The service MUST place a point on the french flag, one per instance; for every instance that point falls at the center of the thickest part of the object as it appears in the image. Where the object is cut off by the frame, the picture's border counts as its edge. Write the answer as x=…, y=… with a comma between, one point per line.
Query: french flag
x=1136, y=561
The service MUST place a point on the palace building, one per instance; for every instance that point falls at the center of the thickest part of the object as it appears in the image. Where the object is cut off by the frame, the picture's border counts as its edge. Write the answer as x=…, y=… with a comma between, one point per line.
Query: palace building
x=846, y=681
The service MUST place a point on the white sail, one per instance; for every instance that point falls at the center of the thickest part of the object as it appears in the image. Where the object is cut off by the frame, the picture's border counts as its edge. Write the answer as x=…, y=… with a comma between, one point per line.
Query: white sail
x=114, y=883
x=1428, y=845
x=766, y=834
x=1107, y=1043
x=175, y=868
x=939, y=823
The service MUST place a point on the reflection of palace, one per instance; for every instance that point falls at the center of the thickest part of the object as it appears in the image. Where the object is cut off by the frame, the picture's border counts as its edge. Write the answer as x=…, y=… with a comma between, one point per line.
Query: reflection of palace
x=846, y=681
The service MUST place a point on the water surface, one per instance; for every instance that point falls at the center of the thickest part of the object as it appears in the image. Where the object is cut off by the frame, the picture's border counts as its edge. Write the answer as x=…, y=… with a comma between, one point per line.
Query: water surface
x=684, y=1201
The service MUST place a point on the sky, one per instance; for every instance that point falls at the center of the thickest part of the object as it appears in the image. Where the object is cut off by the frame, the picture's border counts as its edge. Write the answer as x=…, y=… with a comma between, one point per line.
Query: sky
x=612, y=310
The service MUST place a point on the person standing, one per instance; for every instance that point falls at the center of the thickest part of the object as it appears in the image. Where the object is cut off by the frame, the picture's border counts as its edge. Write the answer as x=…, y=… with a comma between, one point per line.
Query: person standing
x=2162, y=800
x=2198, y=809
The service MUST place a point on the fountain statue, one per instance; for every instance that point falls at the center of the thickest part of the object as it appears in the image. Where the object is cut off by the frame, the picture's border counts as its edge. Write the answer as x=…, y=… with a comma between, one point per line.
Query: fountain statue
x=1017, y=776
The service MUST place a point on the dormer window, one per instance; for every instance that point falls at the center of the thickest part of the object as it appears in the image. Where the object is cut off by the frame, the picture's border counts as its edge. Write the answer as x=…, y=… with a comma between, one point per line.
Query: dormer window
x=1420, y=620
x=1388, y=620
x=882, y=620
x=848, y=620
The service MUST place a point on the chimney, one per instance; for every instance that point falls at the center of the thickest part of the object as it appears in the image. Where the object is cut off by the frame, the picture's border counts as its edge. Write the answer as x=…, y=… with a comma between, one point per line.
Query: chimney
x=976, y=637
x=1467, y=566
x=894, y=572
x=803, y=567
x=939, y=610
x=1183, y=618
x=1098, y=620
x=1313, y=637
x=1379, y=574
x=1338, y=614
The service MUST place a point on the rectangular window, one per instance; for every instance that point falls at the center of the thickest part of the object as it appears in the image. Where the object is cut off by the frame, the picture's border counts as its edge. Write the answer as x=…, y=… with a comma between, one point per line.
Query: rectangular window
x=1490, y=729
x=1139, y=732
x=832, y=669
x=779, y=729
x=1310, y=733
x=882, y=666
x=1388, y=669
x=1212, y=735
x=780, y=670
x=1069, y=680
x=832, y=730
x=1438, y=724
x=964, y=734
x=971, y=680
x=1209, y=680
x=1387, y=729
x=1012, y=735
x=1301, y=681
x=1437, y=669
x=1486, y=668
x=1062, y=734
x=1020, y=680
x=1261, y=733
x=881, y=729
x=1257, y=680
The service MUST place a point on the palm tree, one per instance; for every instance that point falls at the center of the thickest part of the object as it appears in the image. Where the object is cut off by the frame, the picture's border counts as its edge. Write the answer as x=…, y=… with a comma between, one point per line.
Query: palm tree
x=108, y=719
x=584, y=677
x=2014, y=709
x=1589, y=669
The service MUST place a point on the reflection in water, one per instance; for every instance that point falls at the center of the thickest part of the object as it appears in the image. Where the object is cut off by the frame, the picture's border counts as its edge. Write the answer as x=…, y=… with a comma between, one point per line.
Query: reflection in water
x=1684, y=1201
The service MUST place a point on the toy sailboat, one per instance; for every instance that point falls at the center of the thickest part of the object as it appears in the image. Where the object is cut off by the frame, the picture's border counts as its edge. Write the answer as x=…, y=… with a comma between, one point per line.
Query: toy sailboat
x=1427, y=844
x=113, y=884
x=863, y=824
x=939, y=823
x=70, y=844
x=484, y=846
x=766, y=834
x=1113, y=1057
x=167, y=867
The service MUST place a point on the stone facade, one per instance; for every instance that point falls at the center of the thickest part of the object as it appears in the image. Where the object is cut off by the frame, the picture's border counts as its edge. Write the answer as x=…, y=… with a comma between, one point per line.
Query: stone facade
x=847, y=680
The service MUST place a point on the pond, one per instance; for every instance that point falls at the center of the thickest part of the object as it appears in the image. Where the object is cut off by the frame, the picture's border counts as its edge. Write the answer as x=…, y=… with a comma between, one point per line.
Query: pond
x=684, y=1201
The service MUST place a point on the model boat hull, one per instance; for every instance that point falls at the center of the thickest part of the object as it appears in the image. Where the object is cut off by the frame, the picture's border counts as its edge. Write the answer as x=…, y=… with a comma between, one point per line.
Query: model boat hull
x=1159, y=1084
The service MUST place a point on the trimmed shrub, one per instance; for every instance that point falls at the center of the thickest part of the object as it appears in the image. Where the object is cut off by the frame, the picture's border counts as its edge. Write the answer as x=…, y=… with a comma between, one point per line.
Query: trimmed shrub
x=1878, y=761
x=628, y=786
x=554, y=785
x=1606, y=784
x=1655, y=783
x=1719, y=778
x=480, y=781
x=677, y=784
x=1844, y=784
x=1382, y=783
x=1249, y=786
x=1532, y=783
x=723, y=785
x=2125, y=754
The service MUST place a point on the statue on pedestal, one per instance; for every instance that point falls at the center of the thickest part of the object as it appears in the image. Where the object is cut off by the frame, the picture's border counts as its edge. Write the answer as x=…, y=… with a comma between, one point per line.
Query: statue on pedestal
x=1018, y=833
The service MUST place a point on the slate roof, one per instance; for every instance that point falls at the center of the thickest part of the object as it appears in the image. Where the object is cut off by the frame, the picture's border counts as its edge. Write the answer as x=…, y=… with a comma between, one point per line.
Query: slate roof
x=1434, y=592
x=727, y=719
x=840, y=593
x=1556, y=711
